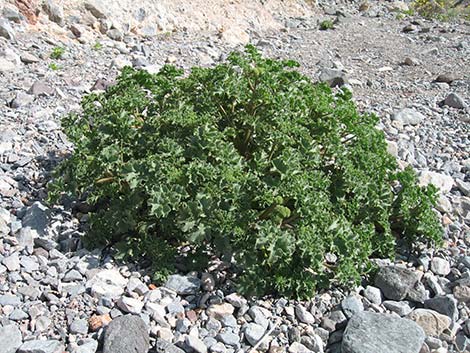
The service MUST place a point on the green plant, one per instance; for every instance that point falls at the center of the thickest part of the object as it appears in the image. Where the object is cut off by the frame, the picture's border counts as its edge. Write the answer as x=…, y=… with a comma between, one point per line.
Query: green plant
x=54, y=66
x=444, y=10
x=248, y=160
x=326, y=24
x=97, y=46
x=57, y=53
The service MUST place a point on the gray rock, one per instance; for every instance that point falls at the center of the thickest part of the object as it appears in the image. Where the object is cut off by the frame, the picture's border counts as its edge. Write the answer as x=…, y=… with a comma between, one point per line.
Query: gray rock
x=54, y=11
x=41, y=346
x=28, y=58
x=6, y=31
x=444, y=304
x=96, y=7
x=409, y=116
x=10, y=299
x=126, y=334
x=453, y=100
x=333, y=77
x=79, y=326
x=12, y=262
x=115, y=34
x=183, y=285
x=297, y=347
x=10, y=338
x=88, y=345
x=303, y=315
x=373, y=294
x=29, y=263
x=369, y=332
x=37, y=215
x=446, y=78
x=196, y=344
x=258, y=316
x=18, y=315
x=463, y=186
x=352, y=305
x=39, y=89
x=313, y=343
x=163, y=346
x=253, y=333
x=11, y=14
x=72, y=276
x=395, y=282
x=21, y=99
x=229, y=338
x=401, y=308
x=440, y=266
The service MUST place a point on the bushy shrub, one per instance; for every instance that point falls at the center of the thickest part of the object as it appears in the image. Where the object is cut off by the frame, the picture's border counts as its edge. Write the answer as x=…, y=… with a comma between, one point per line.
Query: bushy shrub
x=249, y=160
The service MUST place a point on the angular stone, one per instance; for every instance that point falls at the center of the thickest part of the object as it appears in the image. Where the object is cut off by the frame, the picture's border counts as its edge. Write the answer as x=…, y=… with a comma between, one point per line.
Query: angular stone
x=79, y=326
x=37, y=215
x=373, y=294
x=126, y=334
x=369, y=332
x=196, y=344
x=183, y=285
x=130, y=305
x=444, y=304
x=41, y=346
x=453, y=100
x=253, y=333
x=351, y=306
x=96, y=7
x=54, y=11
x=107, y=283
x=12, y=262
x=430, y=321
x=303, y=315
x=395, y=282
x=9, y=299
x=10, y=338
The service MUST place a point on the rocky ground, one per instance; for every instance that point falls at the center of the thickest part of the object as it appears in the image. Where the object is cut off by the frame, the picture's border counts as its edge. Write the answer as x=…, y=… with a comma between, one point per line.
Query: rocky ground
x=56, y=296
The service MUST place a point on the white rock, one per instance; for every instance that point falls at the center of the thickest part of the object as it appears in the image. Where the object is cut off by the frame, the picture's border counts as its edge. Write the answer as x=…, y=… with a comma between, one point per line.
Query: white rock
x=109, y=283
x=409, y=116
x=443, y=182
x=130, y=305
x=440, y=266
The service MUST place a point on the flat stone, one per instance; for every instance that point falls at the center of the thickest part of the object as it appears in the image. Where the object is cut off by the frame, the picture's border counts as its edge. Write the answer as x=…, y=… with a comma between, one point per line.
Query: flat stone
x=40, y=88
x=400, y=308
x=41, y=346
x=409, y=116
x=37, y=215
x=79, y=326
x=218, y=311
x=446, y=78
x=12, y=262
x=373, y=294
x=369, y=332
x=9, y=299
x=395, y=282
x=183, y=285
x=21, y=99
x=29, y=58
x=229, y=338
x=10, y=338
x=54, y=11
x=18, y=315
x=430, y=321
x=126, y=334
x=258, y=316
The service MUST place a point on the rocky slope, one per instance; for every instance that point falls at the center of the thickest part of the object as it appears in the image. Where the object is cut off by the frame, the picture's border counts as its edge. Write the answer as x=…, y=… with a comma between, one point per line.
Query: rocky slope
x=56, y=296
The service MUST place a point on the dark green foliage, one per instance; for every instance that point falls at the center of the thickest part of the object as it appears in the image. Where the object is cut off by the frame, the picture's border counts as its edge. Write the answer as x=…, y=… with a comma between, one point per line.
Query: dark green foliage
x=248, y=160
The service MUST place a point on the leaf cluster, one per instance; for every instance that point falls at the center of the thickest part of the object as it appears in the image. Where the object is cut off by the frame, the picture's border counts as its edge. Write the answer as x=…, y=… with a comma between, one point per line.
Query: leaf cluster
x=249, y=160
